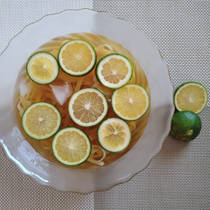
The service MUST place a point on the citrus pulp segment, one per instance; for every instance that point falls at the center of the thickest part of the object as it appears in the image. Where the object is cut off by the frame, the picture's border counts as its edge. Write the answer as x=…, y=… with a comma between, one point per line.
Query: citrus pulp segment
x=77, y=57
x=114, y=70
x=41, y=120
x=191, y=96
x=130, y=102
x=114, y=134
x=71, y=146
x=88, y=107
x=42, y=68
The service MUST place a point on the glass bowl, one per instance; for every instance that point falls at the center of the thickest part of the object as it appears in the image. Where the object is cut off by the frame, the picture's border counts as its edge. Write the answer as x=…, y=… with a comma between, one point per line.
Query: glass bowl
x=81, y=180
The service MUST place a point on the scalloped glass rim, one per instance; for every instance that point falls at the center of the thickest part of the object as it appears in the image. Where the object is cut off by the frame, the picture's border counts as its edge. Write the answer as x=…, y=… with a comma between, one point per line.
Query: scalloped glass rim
x=162, y=108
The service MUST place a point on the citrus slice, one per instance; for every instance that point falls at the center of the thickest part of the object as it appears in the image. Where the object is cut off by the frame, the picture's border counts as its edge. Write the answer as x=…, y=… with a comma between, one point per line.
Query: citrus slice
x=41, y=120
x=88, y=107
x=114, y=70
x=71, y=146
x=42, y=68
x=77, y=57
x=191, y=96
x=130, y=102
x=185, y=126
x=114, y=134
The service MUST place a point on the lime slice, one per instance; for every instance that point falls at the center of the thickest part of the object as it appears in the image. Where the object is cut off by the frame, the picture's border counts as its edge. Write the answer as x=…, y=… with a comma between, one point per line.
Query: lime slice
x=114, y=71
x=71, y=146
x=42, y=68
x=41, y=120
x=130, y=102
x=88, y=107
x=114, y=135
x=77, y=57
x=191, y=96
x=185, y=126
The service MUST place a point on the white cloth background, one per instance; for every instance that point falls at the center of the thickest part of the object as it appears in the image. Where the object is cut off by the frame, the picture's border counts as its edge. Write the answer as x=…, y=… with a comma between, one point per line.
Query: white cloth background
x=179, y=176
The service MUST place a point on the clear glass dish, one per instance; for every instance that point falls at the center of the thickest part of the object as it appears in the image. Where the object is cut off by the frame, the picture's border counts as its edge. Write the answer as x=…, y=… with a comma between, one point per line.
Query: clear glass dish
x=138, y=157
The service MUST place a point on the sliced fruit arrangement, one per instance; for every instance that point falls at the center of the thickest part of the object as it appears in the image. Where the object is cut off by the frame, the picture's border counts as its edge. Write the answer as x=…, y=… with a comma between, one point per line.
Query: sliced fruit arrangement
x=88, y=107
x=185, y=126
x=191, y=96
x=114, y=134
x=114, y=70
x=41, y=120
x=130, y=102
x=71, y=146
x=42, y=68
x=77, y=57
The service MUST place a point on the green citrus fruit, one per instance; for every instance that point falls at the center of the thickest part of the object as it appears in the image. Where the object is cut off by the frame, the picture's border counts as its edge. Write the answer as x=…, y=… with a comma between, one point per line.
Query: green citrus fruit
x=71, y=146
x=42, y=68
x=114, y=71
x=185, y=126
x=191, y=96
x=77, y=57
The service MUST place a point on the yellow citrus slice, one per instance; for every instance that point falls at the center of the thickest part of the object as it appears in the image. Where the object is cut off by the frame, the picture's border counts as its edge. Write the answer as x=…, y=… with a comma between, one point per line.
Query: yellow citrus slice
x=88, y=107
x=77, y=57
x=114, y=70
x=41, y=120
x=71, y=146
x=191, y=96
x=42, y=68
x=130, y=102
x=114, y=134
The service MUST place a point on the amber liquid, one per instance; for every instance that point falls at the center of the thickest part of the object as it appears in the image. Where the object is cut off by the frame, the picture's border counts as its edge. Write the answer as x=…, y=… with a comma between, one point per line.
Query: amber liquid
x=37, y=93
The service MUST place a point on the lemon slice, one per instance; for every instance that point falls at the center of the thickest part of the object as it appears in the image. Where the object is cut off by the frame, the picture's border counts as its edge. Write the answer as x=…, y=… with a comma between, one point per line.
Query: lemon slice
x=114, y=135
x=41, y=120
x=88, y=107
x=77, y=57
x=114, y=70
x=191, y=96
x=71, y=146
x=42, y=68
x=130, y=102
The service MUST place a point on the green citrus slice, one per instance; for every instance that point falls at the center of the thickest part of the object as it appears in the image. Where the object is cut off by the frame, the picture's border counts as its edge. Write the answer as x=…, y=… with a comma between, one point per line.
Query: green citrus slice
x=130, y=102
x=77, y=57
x=42, y=68
x=114, y=70
x=185, y=126
x=191, y=96
x=114, y=134
x=71, y=146
x=88, y=107
x=41, y=120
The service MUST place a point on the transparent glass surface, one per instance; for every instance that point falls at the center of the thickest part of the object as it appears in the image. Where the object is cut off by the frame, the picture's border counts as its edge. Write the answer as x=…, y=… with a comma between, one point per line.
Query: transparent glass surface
x=153, y=75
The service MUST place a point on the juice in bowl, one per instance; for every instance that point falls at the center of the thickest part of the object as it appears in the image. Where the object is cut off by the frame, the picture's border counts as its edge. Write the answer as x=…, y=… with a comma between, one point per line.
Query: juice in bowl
x=60, y=91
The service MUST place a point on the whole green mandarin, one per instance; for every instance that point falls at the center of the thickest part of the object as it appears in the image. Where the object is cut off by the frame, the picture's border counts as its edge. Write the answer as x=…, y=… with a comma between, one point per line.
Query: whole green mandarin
x=185, y=126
